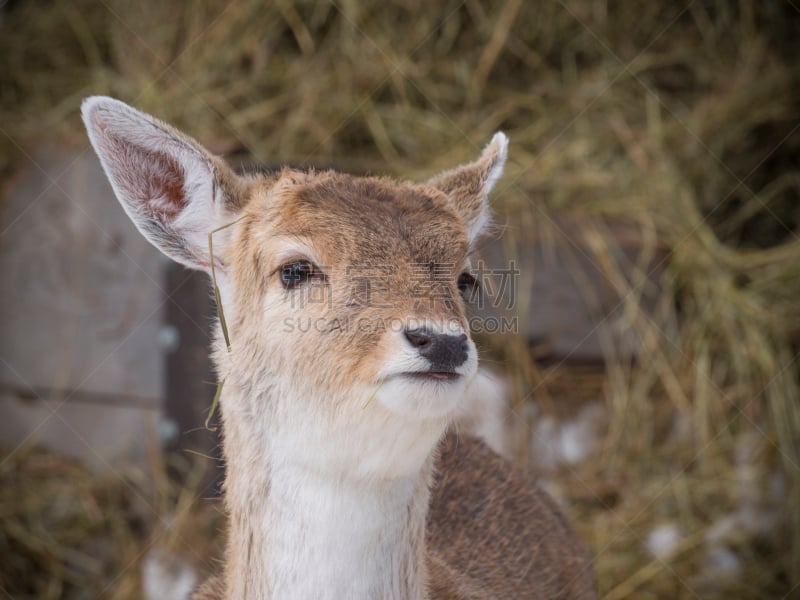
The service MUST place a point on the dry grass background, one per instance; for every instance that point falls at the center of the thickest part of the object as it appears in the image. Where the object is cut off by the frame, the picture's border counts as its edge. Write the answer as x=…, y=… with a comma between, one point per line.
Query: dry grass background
x=682, y=119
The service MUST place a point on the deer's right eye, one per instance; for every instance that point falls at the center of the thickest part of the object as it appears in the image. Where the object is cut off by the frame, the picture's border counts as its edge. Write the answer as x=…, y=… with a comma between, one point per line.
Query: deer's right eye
x=297, y=273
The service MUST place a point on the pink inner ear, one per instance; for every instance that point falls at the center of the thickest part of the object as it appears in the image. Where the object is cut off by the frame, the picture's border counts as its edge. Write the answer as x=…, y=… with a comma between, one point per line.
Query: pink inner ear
x=152, y=177
x=167, y=192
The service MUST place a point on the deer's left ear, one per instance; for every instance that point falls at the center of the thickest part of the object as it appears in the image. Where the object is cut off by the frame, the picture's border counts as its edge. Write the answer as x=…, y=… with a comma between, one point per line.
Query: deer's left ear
x=468, y=185
x=174, y=190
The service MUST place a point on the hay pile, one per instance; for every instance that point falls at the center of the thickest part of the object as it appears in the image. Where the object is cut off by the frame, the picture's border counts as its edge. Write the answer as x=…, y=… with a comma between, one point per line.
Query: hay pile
x=67, y=533
x=681, y=120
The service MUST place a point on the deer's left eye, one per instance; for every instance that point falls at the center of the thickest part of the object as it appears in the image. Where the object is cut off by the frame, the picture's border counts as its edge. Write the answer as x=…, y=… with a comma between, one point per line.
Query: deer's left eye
x=468, y=286
x=297, y=273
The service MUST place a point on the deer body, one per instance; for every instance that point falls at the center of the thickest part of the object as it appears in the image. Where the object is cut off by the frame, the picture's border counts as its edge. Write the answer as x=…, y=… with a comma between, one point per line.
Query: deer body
x=349, y=360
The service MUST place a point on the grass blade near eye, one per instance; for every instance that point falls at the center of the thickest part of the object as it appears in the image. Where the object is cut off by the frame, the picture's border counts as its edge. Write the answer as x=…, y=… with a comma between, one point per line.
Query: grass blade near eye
x=221, y=314
x=213, y=408
x=217, y=297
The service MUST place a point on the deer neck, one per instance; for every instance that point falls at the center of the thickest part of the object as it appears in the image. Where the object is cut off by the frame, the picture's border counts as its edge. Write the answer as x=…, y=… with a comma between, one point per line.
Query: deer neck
x=300, y=529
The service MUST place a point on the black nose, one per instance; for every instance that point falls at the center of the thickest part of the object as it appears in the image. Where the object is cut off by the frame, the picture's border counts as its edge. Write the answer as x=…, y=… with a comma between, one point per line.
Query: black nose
x=445, y=352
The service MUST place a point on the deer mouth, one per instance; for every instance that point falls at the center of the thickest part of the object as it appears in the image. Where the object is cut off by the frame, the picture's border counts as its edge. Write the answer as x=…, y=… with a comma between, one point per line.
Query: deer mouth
x=433, y=375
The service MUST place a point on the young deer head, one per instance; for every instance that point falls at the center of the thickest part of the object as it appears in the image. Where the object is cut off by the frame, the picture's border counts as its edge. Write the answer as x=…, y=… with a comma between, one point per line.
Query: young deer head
x=349, y=347
x=342, y=295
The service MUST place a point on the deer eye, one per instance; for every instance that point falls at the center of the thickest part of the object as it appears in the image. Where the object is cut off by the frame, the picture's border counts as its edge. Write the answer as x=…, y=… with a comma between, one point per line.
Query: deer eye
x=468, y=286
x=297, y=273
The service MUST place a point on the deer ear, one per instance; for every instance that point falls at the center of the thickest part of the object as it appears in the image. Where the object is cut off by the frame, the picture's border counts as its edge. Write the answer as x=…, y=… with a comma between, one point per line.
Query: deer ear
x=468, y=185
x=173, y=190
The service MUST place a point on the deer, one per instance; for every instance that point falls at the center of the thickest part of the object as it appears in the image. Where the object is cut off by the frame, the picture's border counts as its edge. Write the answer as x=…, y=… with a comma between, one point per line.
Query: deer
x=347, y=476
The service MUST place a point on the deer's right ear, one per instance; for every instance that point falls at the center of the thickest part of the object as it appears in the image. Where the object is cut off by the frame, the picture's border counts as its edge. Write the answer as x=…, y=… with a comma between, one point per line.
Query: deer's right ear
x=174, y=190
x=468, y=186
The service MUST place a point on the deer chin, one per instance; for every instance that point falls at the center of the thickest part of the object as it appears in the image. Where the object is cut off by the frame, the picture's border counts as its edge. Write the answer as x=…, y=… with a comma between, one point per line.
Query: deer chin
x=421, y=396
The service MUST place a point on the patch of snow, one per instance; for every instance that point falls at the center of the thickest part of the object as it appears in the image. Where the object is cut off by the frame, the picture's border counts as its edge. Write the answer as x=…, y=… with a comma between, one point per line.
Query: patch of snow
x=166, y=576
x=555, y=444
x=663, y=540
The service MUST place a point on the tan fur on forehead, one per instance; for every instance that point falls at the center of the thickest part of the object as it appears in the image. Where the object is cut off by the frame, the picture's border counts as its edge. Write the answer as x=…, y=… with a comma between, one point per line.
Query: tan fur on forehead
x=359, y=218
